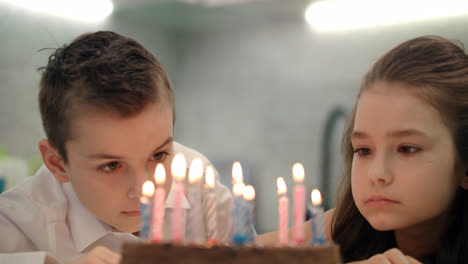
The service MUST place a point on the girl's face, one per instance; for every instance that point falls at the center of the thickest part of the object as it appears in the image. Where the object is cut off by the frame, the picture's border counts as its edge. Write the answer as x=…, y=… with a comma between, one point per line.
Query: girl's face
x=404, y=172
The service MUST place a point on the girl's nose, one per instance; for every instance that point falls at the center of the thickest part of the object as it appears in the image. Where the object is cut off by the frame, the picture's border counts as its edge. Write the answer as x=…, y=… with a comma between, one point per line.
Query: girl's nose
x=380, y=171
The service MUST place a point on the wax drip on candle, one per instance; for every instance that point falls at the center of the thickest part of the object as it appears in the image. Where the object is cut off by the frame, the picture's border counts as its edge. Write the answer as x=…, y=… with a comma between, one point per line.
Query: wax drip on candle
x=211, y=206
x=146, y=206
x=195, y=232
x=299, y=203
x=159, y=200
x=178, y=169
x=283, y=212
x=318, y=234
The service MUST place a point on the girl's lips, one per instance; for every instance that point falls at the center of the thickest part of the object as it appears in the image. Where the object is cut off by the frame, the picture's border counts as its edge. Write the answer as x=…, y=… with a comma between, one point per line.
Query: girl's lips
x=378, y=200
x=131, y=213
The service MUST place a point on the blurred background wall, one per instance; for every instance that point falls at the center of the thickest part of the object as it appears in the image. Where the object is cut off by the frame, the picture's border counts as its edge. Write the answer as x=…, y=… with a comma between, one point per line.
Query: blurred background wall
x=253, y=81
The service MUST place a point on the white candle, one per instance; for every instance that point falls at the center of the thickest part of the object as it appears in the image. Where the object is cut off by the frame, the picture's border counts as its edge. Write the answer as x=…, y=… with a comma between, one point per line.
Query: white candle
x=195, y=232
x=159, y=201
x=318, y=234
x=146, y=206
x=211, y=206
x=299, y=204
x=178, y=169
x=249, y=196
x=283, y=212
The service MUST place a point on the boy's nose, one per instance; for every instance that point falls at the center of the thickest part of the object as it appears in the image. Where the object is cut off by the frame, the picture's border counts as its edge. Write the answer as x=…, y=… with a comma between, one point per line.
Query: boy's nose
x=135, y=189
x=380, y=171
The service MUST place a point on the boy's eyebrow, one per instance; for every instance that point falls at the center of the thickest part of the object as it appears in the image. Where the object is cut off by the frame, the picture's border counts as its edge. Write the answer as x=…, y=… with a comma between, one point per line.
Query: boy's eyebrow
x=391, y=134
x=109, y=156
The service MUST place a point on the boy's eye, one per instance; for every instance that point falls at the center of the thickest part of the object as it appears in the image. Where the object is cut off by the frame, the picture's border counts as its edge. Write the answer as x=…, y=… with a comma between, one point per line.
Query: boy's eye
x=362, y=151
x=160, y=156
x=408, y=149
x=109, y=167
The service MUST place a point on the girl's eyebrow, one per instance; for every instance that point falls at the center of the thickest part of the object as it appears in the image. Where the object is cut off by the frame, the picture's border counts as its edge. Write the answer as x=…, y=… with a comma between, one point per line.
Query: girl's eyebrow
x=392, y=134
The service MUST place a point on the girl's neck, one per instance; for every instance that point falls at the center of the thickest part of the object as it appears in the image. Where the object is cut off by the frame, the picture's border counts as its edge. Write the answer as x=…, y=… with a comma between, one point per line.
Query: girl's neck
x=423, y=239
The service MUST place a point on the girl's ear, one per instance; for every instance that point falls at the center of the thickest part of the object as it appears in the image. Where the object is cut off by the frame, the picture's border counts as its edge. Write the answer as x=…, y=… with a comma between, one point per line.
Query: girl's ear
x=464, y=181
x=53, y=161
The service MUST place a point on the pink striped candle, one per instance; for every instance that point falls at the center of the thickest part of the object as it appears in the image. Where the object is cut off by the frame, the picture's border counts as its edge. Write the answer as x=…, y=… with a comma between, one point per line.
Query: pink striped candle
x=178, y=169
x=299, y=204
x=283, y=213
x=211, y=228
x=159, y=201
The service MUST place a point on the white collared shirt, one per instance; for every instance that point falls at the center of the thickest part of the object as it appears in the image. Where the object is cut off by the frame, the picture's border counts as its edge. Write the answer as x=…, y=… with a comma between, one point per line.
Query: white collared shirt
x=42, y=219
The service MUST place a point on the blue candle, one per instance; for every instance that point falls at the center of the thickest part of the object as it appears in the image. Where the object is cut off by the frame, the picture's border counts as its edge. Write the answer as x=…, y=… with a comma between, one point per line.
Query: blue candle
x=239, y=215
x=146, y=210
x=249, y=196
x=318, y=234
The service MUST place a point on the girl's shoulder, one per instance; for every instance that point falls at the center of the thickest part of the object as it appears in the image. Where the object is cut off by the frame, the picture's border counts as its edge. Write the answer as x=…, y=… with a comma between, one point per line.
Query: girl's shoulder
x=327, y=223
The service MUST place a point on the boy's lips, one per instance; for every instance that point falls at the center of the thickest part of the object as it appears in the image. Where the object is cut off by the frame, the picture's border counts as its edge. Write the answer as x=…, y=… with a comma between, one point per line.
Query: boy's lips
x=379, y=200
x=131, y=213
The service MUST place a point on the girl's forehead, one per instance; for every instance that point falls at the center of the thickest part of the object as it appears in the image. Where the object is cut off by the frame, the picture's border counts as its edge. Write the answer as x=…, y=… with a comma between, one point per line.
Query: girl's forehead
x=387, y=106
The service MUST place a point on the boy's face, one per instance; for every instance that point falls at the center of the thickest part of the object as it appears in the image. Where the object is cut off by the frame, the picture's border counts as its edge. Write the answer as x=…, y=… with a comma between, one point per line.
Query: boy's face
x=404, y=171
x=109, y=159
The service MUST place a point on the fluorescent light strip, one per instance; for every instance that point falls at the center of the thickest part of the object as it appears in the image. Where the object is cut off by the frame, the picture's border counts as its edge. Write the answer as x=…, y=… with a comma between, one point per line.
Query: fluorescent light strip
x=79, y=10
x=350, y=14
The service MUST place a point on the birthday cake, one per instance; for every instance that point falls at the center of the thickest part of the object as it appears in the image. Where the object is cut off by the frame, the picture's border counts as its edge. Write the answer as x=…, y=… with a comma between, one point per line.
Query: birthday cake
x=146, y=253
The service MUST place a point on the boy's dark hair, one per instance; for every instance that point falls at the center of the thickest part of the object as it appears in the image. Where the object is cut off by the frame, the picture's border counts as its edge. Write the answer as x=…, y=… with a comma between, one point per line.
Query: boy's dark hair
x=437, y=70
x=102, y=70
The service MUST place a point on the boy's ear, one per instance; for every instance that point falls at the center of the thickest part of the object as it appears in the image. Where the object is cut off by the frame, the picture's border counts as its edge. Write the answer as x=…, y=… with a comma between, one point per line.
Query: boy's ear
x=52, y=160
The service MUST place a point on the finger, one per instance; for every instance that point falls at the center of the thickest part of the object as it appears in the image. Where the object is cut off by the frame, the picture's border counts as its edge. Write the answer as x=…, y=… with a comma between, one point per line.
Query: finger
x=412, y=260
x=395, y=256
x=378, y=259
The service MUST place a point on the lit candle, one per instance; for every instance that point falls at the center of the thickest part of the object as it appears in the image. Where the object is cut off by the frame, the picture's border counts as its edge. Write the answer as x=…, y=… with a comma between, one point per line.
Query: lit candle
x=159, y=200
x=299, y=204
x=238, y=191
x=249, y=196
x=283, y=212
x=211, y=206
x=194, y=233
x=237, y=175
x=318, y=234
x=146, y=206
x=178, y=169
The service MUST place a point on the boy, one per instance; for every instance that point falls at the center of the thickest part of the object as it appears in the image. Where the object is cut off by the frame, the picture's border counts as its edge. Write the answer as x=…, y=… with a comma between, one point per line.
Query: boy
x=107, y=108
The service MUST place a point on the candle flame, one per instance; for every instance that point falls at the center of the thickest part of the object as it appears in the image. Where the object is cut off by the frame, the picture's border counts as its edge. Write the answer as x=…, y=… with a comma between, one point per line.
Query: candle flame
x=209, y=177
x=238, y=189
x=147, y=189
x=298, y=172
x=316, y=197
x=160, y=174
x=196, y=171
x=281, y=186
x=237, y=172
x=179, y=167
x=249, y=193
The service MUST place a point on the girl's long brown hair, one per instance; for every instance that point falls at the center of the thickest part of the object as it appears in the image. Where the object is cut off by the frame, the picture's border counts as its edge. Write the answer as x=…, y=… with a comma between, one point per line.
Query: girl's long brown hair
x=437, y=70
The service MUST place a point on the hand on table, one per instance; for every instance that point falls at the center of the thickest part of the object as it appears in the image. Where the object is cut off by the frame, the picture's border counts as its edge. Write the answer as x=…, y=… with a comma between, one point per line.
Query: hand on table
x=391, y=256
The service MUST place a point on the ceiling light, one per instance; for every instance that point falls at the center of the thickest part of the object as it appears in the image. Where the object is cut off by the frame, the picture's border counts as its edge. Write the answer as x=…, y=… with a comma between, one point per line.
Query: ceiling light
x=80, y=10
x=346, y=14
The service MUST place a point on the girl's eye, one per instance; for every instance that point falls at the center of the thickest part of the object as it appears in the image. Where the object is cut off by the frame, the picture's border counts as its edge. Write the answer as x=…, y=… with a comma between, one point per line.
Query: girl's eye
x=408, y=149
x=362, y=151
x=160, y=156
x=109, y=167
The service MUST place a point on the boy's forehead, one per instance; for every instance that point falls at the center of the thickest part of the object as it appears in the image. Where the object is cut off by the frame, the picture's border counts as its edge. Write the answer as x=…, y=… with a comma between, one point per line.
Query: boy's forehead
x=98, y=127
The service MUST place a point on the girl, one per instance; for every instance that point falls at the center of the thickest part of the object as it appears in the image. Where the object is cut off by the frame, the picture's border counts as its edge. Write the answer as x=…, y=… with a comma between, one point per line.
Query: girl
x=403, y=197
x=406, y=159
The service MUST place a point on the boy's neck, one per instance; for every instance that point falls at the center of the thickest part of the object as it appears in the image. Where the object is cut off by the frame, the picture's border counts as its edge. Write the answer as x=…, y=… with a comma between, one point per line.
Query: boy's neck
x=422, y=240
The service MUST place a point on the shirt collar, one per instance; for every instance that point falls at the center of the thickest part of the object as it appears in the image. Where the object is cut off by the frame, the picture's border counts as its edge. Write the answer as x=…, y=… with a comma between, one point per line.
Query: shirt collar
x=85, y=228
